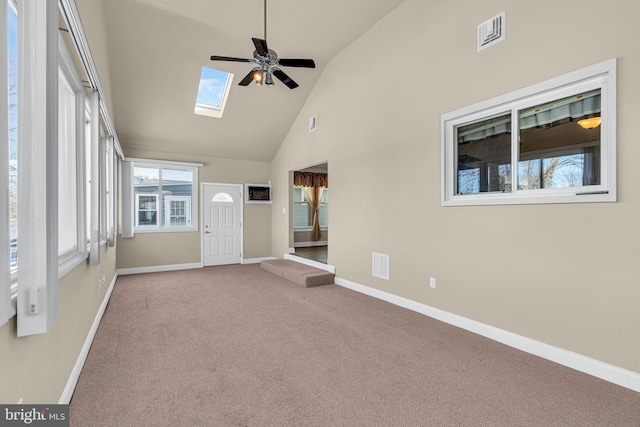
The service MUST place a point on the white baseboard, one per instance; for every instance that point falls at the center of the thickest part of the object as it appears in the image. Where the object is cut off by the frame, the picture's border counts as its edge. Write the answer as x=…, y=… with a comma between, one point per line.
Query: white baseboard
x=579, y=362
x=159, y=268
x=316, y=264
x=256, y=260
x=67, y=393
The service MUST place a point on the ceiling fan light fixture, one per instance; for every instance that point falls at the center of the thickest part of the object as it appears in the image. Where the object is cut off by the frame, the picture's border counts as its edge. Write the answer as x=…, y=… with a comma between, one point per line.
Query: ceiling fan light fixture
x=267, y=62
x=268, y=80
x=257, y=76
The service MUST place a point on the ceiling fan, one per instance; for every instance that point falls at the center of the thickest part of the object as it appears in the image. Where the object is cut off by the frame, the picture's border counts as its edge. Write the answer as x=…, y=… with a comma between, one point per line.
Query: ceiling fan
x=267, y=62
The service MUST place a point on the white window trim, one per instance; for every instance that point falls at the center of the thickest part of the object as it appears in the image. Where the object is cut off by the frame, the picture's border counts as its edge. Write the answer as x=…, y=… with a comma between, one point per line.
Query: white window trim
x=209, y=110
x=167, y=207
x=128, y=204
x=71, y=259
x=37, y=164
x=109, y=194
x=5, y=269
x=601, y=75
x=96, y=186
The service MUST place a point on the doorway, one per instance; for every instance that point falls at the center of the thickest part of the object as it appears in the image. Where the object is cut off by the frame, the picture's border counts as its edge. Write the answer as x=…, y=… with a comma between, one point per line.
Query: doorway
x=310, y=213
x=221, y=224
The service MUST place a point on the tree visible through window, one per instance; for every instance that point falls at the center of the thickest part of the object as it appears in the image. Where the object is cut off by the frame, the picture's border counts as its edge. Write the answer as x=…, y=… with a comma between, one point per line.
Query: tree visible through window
x=550, y=141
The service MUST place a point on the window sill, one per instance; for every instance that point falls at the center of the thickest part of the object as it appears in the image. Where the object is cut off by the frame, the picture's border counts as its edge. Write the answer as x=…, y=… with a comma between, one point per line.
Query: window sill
x=67, y=266
x=146, y=230
x=534, y=197
x=309, y=228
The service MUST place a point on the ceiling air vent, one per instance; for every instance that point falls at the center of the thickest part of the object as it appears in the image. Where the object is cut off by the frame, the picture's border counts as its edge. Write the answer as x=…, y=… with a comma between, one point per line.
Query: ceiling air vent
x=491, y=32
x=381, y=266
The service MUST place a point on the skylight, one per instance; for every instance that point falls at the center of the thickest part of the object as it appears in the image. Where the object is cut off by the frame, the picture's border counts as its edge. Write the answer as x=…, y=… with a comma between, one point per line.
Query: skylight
x=212, y=92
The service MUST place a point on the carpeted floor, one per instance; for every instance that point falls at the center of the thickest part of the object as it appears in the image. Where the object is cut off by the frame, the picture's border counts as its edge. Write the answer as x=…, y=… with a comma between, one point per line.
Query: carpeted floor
x=237, y=346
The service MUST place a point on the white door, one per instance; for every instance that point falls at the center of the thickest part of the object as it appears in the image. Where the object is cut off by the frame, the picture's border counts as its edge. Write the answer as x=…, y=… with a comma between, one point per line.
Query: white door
x=222, y=224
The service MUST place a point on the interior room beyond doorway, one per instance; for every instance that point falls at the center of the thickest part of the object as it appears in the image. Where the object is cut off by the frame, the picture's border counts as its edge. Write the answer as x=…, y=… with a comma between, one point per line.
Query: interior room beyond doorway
x=310, y=212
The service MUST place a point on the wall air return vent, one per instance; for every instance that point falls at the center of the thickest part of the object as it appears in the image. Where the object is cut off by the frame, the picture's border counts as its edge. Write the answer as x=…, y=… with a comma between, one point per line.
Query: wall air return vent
x=491, y=32
x=381, y=266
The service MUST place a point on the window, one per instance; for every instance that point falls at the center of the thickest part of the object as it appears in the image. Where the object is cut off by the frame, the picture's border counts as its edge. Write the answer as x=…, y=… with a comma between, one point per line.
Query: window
x=8, y=159
x=109, y=191
x=303, y=213
x=12, y=45
x=67, y=183
x=71, y=143
x=164, y=196
x=212, y=92
x=549, y=143
x=178, y=211
x=50, y=221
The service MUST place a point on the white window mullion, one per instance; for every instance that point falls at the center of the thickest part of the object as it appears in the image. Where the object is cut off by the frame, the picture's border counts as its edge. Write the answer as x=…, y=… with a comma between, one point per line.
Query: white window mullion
x=38, y=166
x=94, y=220
x=103, y=186
x=5, y=270
x=126, y=200
x=111, y=185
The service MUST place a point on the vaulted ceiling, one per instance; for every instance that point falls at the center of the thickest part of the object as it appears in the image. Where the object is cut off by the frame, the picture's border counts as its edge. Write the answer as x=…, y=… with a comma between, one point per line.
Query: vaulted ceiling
x=157, y=49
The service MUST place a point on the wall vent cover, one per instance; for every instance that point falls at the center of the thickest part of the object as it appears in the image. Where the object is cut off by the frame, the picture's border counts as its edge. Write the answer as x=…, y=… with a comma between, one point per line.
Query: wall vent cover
x=381, y=266
x=491, y=32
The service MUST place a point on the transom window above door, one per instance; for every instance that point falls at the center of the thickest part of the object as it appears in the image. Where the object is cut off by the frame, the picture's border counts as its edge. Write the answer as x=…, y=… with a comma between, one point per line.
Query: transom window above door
x=222, y=198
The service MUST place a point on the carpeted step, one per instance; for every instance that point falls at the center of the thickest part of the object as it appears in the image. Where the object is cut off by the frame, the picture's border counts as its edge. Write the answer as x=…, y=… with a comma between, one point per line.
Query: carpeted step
x=300, y=274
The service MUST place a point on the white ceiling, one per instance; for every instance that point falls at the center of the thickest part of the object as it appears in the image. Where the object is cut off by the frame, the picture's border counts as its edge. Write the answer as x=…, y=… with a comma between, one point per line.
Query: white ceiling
x=158, y=47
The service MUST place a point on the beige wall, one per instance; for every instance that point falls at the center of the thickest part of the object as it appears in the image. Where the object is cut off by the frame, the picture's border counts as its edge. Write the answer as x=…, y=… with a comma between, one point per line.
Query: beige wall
x=92, y=15
x=566, y=275
x=36, y=368
x=157, y=249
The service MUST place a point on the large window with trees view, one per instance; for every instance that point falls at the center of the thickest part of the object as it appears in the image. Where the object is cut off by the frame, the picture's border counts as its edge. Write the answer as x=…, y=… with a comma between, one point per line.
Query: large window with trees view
x=550, y=143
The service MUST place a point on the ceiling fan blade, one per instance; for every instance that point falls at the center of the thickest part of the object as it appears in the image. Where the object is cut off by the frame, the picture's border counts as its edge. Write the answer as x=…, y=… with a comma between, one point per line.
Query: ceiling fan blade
x=261, y=46
x=247, y=79
x=284, y=78
x=228, y=58
x=303, y=63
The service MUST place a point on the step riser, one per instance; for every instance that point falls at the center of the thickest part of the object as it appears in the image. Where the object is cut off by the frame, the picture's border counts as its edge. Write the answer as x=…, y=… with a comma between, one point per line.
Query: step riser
x=297, y=273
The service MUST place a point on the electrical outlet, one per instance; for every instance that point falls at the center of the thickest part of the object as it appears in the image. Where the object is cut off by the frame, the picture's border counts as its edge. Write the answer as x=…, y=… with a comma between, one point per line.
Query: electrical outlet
x=432, y=282
x=102, y=280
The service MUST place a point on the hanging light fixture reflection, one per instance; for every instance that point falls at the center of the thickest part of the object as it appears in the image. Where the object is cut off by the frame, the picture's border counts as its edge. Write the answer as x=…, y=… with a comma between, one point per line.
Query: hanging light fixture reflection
x=590, y=123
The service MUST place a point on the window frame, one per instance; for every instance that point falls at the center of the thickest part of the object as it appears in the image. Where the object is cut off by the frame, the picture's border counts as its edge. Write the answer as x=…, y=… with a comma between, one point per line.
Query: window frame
x=305, y=202
x=211, y=110
x=601, y=75
x=6, y=285
x=71, y=258
x=168, y=199
x=133, y=202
